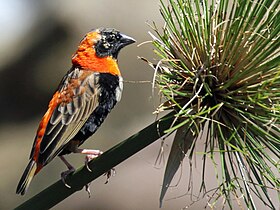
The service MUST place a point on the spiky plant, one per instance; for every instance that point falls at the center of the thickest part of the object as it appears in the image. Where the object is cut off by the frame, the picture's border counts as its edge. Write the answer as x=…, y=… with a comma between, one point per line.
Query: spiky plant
x=219, y=70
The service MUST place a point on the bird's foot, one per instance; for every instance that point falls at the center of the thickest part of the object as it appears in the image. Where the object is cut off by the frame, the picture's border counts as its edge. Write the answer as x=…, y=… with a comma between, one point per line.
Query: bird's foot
x=91, y=154
x=87, y=188
x=108, y=174
x=65, y=174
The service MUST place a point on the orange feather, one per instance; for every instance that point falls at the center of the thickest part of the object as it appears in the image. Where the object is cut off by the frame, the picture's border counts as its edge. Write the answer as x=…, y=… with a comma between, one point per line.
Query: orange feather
x=86, y=57
x=42, y=128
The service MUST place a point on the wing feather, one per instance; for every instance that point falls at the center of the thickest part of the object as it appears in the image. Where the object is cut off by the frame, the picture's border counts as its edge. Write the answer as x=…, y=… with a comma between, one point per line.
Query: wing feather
x=77, y=100
x=56, y=117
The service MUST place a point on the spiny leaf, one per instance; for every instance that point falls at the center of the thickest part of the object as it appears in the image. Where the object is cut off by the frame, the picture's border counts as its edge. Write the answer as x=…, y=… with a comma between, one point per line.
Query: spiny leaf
x=220, y=68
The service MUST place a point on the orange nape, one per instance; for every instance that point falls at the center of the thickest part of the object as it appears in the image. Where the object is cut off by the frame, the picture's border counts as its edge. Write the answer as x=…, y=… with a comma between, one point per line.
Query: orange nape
x=86, y=58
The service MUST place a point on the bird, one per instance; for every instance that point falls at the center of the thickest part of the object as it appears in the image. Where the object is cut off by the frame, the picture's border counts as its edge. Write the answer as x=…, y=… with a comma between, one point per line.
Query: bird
x=85, y=96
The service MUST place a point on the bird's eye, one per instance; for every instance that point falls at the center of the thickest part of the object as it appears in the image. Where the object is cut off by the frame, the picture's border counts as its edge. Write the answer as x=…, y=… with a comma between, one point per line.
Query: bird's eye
x=111, y=38
x=109, y=43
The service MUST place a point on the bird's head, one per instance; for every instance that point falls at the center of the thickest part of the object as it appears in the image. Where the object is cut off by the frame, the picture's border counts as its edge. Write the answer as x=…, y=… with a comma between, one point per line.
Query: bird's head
x=100, y=48
x=110, y=42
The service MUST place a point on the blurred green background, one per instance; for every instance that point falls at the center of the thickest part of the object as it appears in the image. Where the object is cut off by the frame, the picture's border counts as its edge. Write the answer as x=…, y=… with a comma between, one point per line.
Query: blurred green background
x=37, y=41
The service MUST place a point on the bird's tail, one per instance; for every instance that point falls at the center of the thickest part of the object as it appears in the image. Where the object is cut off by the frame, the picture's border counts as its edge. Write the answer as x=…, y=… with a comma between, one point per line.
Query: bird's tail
x=26, y=178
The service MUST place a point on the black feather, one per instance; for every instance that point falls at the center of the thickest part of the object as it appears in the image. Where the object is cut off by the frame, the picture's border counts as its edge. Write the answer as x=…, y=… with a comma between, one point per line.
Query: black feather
x=107, y=100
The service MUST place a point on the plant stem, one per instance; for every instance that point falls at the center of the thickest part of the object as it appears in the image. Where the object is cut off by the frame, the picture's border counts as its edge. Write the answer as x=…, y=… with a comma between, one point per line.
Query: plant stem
x=109, y=159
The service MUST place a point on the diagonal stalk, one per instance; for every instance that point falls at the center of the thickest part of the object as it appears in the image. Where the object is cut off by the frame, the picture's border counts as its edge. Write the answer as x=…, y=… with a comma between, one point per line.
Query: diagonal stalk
x=57, y=192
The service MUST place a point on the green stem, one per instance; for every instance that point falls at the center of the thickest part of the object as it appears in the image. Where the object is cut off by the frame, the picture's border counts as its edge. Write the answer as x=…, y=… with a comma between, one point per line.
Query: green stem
x=109, y=159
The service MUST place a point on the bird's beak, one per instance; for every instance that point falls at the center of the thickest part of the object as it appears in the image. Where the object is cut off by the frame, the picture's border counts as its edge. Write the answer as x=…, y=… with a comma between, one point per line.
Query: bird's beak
x=126, y=40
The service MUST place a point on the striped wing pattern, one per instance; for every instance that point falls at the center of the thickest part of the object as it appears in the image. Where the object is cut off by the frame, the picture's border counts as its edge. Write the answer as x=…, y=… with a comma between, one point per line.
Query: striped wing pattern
x=76, y=98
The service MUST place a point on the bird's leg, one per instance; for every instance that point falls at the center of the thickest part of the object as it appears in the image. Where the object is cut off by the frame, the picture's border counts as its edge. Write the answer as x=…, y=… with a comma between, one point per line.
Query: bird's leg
x=90, y=154
x=64, y=174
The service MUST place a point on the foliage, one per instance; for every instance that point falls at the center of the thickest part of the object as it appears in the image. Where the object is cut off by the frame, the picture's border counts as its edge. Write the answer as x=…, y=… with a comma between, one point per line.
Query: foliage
x=219, y=70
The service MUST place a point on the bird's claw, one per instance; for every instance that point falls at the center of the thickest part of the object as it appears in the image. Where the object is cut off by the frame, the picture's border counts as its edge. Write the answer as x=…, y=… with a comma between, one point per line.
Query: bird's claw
x=89, y=158
x=108, y=174
x=65, y=174
x=87, y=188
